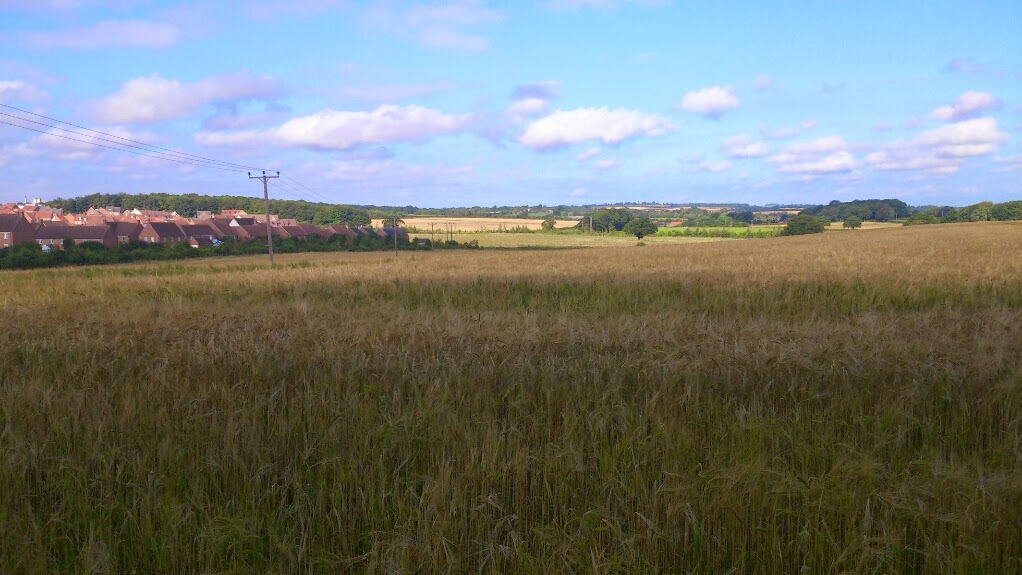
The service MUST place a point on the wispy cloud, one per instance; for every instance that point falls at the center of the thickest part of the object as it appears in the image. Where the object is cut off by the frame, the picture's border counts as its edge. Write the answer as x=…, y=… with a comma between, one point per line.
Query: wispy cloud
x=532, y=99
x=153, y=98
x=394, y=93
x=941, y=150
x=19, y=90
x=108, y=34
x=822, y=156
x=345, y=130
x=968, y=105
x=447, y=25
x=742, y=146
x=270, y=9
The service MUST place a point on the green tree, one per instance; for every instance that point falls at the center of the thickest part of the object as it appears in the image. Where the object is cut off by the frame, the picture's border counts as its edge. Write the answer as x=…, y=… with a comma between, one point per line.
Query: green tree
x=549, y=223
x=852, y=222
x=919, y=218
x=884, y=213
x=640, y=227
x=803, y=224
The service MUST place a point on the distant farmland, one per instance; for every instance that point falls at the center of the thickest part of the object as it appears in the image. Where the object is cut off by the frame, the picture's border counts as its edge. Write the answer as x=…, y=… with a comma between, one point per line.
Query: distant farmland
x=475, y=224
x=837, y=403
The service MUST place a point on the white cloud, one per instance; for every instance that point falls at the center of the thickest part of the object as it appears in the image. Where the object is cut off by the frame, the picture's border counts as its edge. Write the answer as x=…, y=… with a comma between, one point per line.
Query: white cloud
x=11, y=90
x=836, y=162
x=344, y=130
x=964, y=139
x=336, y=130
x=528, y=107
x=153, y=98
x=822, y=156
x=712, y=102
x=64, y=145
x=107, y=34
x=589, y=154
x=762, y=83
x=532, y=99
x=742, y=146
x=445, y=25
x=941, y=150
x=578, y=192
x=968, y=105
x=585, y=124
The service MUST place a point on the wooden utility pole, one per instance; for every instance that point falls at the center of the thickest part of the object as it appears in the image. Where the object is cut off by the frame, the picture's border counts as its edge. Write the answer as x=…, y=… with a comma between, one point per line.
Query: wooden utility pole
x=266, y=204
x=395, y=235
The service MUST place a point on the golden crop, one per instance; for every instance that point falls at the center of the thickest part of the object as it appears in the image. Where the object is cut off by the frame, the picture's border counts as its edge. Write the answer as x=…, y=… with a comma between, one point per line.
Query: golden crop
x=838, y=403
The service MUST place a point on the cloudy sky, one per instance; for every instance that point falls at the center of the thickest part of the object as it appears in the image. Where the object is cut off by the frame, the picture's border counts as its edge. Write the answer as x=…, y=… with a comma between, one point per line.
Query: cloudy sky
x=465, y=102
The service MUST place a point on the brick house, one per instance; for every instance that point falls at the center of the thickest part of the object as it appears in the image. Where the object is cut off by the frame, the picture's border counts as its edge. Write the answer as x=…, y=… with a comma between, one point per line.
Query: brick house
x=162, y=233
x=223, y=227
x=343, y=230
x=54, y=235
x=126, y=231
x=15, y=229
x=296, y=232
x=194, y=231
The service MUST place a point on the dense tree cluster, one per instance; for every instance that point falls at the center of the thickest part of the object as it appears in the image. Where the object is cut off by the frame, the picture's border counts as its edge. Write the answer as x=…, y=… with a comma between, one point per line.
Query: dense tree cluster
x=803, y=224
x=188, y=205
x=606, y=220
x=872, y=210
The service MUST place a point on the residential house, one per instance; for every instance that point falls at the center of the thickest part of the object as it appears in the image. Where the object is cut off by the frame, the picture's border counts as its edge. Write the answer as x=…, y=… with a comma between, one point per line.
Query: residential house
x=52, y=236
x=202, y=242
x=239, y=221
x=388, y=234
x=296, y=232
x=223, y=228
x=15, y=229
x=343, y=230
x=126, y=231
x=193, y=231
x=162, y=233
x=314, y=230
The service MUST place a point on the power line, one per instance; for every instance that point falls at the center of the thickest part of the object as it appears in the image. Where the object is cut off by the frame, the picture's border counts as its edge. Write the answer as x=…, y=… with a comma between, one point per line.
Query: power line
x=154, y=147
x=180, y=161
x=310, y=190
x=123, y=144
x=92, y=138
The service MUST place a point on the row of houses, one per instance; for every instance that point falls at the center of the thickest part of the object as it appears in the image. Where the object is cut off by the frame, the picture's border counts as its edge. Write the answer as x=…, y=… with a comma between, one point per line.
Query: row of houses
x=49, y=228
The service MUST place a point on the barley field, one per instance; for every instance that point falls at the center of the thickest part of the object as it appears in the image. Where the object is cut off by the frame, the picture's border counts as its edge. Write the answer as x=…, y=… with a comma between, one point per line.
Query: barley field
x=562, y=240
x=839, y=403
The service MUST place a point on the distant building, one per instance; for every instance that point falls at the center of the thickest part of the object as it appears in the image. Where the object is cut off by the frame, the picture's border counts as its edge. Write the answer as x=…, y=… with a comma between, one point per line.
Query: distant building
x=15, y=229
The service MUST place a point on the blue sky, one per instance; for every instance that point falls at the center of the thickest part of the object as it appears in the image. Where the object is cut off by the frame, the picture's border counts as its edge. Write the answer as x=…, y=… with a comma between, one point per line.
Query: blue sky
x=555, y=101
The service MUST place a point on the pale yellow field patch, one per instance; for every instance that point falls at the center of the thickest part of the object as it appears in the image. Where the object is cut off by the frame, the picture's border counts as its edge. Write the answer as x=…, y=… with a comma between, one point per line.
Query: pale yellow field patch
x=475, y=224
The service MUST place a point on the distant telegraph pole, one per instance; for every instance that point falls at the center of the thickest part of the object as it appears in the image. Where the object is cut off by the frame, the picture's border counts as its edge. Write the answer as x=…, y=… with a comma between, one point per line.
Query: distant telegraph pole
x=266, y=204
x=395, y=235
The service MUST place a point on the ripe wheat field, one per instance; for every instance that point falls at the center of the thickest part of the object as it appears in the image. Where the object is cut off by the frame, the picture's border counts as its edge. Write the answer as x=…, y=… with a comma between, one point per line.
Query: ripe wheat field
x=840, y=403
